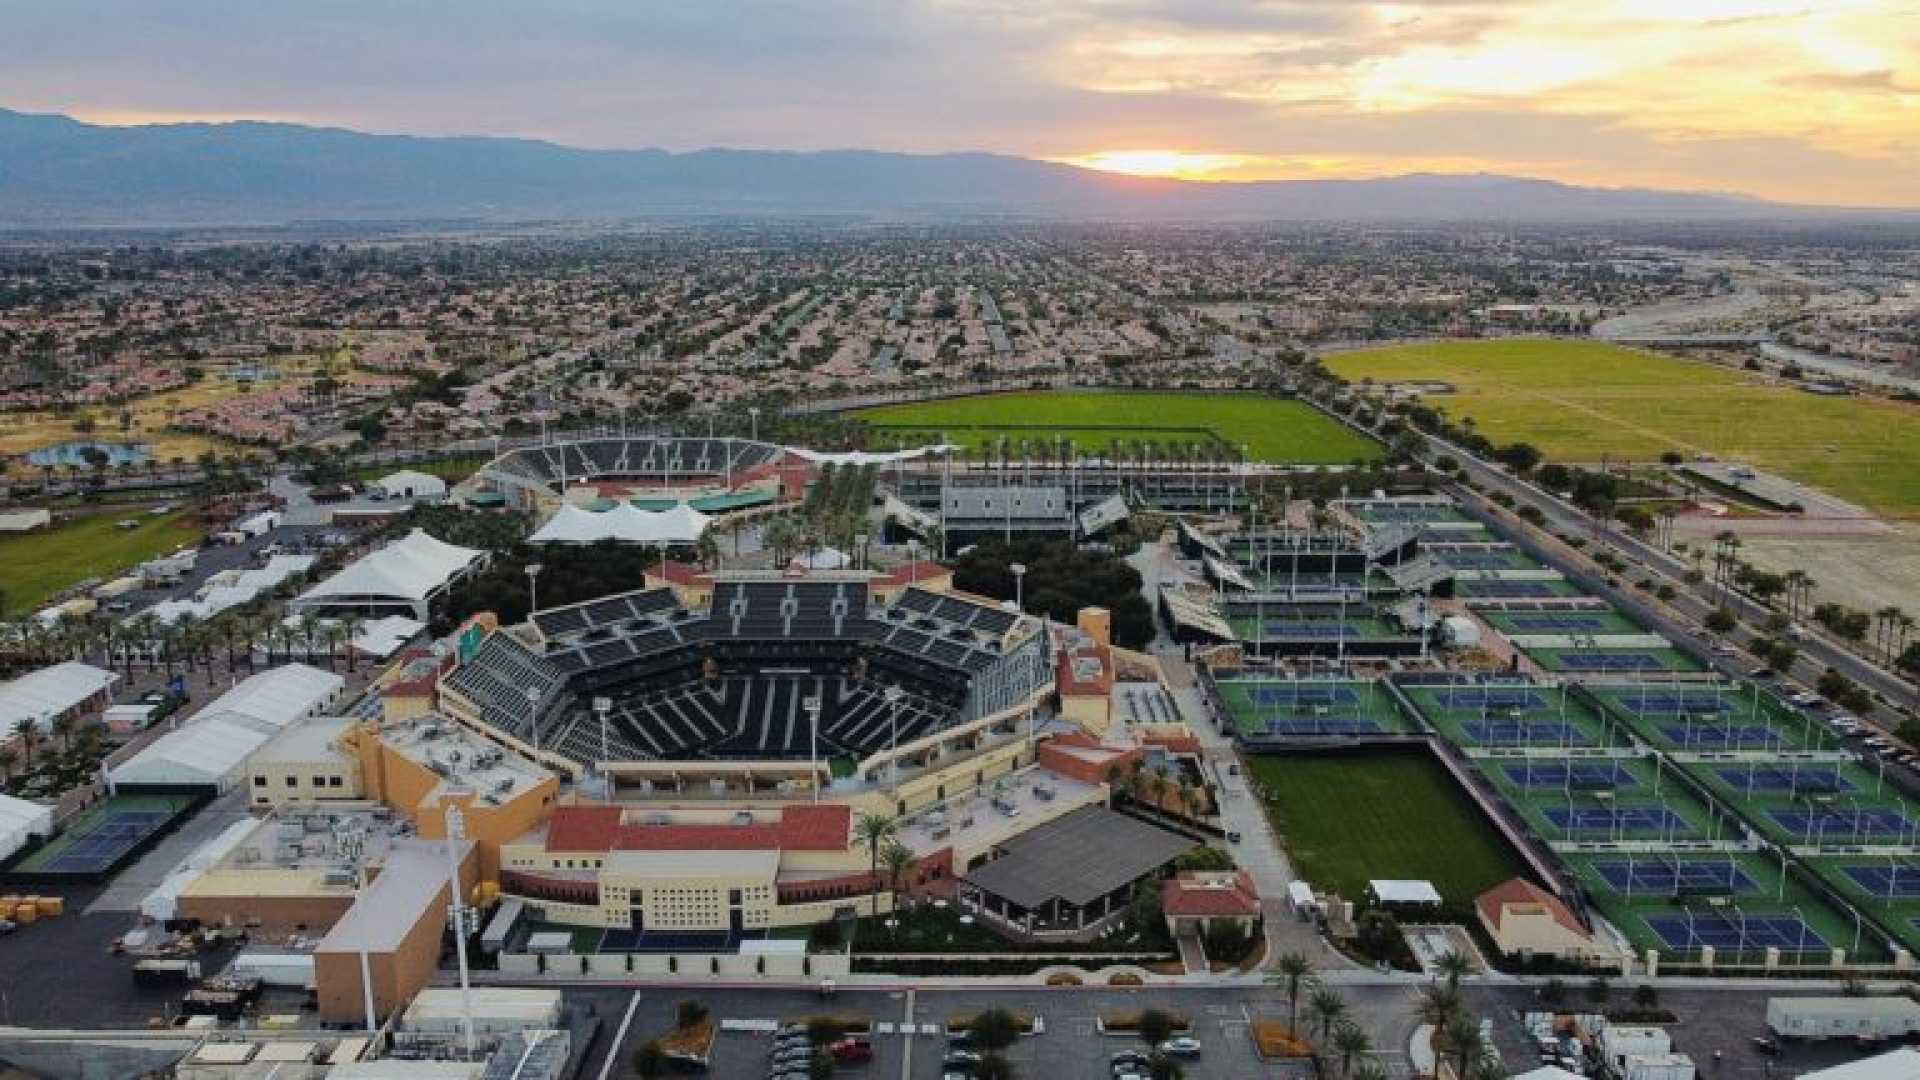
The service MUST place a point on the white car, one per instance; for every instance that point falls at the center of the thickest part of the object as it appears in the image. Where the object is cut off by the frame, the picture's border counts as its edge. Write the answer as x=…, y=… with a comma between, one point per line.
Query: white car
x=1181, y=1046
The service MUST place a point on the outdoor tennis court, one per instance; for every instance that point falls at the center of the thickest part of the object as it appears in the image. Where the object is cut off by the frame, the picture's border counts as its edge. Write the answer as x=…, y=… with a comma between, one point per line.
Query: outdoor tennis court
x=1840, y=825
x=1707, y=734
x=97, y=840
x=1531, y=775
x=1789, y=780
x=1495, y=588
x=1621, y=820
x=1561, y=623
x=1727, y=716
x=1612, y=661
x=1260, y=708
x=1496, y=733
x=1890, y=881
x=1655, y=875
x=1734, y=931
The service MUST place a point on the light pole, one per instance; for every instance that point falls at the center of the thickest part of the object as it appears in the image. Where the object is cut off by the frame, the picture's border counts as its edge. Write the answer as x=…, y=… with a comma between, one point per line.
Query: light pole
x=754, y=412
x=860, y=551
x=533, y=720
x=456, y=829
x=893, y=694
x=812, y=705
x=1019, y=585
x=603, y=706
x=533, y=590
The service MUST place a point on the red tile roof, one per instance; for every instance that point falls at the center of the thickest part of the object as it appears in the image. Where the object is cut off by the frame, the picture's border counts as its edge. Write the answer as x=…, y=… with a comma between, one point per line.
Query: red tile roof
x=1494, y=901
x=678, y=573
x=1209, y=895
x=1098, y=681
x=914, y=573
x=601, y=828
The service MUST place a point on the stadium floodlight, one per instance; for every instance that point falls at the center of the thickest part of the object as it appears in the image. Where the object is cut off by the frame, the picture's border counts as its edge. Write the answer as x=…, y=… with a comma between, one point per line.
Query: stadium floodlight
x=1019, y=571
x=812, y=705
x=754, y=412
x=533, y=719
x=533, y=591
x=893, y=694
x=602, y=706
x=456, y=830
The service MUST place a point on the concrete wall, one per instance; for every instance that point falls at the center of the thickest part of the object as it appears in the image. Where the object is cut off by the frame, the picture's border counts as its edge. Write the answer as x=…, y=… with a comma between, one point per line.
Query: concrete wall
x=276, y=914
x=693, y=967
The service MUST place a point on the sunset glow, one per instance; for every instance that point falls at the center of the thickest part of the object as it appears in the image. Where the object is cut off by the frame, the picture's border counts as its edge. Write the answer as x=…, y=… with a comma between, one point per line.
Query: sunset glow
x=1179, y=164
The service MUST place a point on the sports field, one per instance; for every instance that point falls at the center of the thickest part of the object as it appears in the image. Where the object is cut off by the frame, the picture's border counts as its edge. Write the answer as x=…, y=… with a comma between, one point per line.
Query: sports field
x=1310, y=708
x=1578, y=400
x=1734, y=902
x=36, y=565
x=104, y=834
x=1272, y=429
x=1713, y=718
x=1349, y=818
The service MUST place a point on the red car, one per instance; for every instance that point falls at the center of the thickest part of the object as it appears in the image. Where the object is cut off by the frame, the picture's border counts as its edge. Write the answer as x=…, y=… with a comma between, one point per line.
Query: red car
x=852, y=1050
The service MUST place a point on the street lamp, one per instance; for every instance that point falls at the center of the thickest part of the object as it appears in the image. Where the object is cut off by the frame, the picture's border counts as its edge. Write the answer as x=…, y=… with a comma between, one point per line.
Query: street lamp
x=812, y=705
x=893, y=694
x=1019, y=586
x=533, y=719
x=457, y=916
x=754, y=412
x=533, y=591
x=603, y=706
x=860, y=551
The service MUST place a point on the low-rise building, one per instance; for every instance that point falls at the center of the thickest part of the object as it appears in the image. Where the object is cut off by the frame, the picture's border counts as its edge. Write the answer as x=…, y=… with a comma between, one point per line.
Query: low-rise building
x=1200, y=900
x=1524, y=919
x=306, y=763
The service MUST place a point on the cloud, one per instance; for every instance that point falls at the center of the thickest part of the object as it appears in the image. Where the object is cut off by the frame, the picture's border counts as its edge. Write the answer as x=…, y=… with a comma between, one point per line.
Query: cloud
x=1799, y=99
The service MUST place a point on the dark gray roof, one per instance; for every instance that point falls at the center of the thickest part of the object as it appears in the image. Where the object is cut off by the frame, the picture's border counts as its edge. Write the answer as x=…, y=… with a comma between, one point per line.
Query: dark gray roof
x=1078, y=858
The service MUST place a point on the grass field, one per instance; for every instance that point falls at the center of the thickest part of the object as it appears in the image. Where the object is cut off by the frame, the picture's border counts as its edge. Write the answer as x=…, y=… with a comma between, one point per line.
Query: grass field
x=1577, y=400
x=36, y=565
x=1347, y=819
x=1272, y=430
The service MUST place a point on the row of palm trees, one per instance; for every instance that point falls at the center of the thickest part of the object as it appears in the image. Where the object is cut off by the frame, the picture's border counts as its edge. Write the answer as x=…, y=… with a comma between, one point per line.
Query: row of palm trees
x=1156, y=786
x=880, y=835
x=187, y=641
x=1340, y=1039
x=26, y=735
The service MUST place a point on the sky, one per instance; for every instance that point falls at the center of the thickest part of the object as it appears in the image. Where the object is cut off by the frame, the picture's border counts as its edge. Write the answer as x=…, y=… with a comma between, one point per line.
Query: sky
x=1811, y=101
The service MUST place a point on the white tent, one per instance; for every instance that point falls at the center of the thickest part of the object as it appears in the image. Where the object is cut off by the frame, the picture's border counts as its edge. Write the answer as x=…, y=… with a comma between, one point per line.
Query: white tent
x=413, y=484
x=826, y=558
x=863, y=457
x=383, y=637
x=1400, y=891
x=213, y=748
x=50, y=692
x=212, y=751
x=19, y=820
x=406, y=574
x=626, y=524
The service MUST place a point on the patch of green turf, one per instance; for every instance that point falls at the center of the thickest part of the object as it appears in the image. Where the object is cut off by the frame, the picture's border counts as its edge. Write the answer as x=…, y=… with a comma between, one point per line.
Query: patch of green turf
x=1272, y=429
x=1578, y=400
x=36, y=565
x=1348, y=819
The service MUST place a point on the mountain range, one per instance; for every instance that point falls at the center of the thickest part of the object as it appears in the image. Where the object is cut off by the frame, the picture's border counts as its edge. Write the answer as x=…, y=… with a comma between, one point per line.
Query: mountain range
x=58, y=172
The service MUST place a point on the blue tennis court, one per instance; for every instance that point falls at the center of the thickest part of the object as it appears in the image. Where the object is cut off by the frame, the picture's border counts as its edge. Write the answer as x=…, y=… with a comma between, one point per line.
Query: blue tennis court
x=1610, y=661
x=1509, y=588
x=1837, y=823
x=1624, y=819
x=1898, y=881
x=1489, y=697
x=1674, y=878
x=1524, y=733
x=1587, y=775
x=1736, y=932
x=1273, y=696
x=1673, y=703
x=1322, y=725
x=1560, y=621
x=1713, y=736
x=1825, y=779
x=656, y=941
x=100, y=837
x=1476, y=560
x=1314, y=629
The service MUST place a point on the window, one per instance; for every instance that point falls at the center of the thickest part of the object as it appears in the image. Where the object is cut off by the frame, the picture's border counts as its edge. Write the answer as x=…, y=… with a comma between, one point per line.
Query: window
x=334, y=781
x=293, y=781
x=259, y=781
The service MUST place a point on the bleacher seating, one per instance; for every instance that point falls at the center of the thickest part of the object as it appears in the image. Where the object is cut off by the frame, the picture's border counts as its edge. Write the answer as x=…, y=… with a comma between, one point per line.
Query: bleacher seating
x=790, y=609
x=639, y=456
x=496, y=681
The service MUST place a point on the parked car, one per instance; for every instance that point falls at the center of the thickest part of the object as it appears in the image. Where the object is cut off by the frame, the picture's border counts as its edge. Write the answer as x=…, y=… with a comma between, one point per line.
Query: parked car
x=1181, y=1046
x=960, y=1059
x=851, y=1050
x=1131, y=1057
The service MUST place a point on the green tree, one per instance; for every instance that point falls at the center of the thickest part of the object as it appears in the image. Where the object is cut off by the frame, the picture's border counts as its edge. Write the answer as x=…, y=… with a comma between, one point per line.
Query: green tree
x=1349, y=1042
x=994, y=1029
x=1156, y=1026
x=1293, y=972
x=651, y=1059
x=873, y=832
x=1325, y=1008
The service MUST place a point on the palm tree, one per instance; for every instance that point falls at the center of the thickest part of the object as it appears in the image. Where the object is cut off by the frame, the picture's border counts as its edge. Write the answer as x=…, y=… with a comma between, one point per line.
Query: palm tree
x=1439, y=1004
x=26, y=733
x=873, y=832
x=1294, y=972
x=1369, y=1069
x=1351, y=1042
x=351, y=625
x=63, y=727
x=900, y=865
x=1453, y=965
x=1326, y=1008
x=1463, y=1036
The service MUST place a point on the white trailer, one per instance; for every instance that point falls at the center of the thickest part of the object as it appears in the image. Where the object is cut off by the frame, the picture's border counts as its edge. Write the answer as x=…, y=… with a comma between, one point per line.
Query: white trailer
x=1843, y=1017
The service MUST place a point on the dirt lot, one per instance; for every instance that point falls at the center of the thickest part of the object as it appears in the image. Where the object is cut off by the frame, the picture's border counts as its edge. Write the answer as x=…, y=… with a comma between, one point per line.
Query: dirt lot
x=1866, y=572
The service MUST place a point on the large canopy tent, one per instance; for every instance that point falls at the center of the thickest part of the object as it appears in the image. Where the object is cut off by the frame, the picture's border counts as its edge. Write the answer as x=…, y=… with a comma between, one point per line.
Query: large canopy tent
x=681, y=526
x=51, y=692
x=212, y=749
x=403, y=577
x=21, y=820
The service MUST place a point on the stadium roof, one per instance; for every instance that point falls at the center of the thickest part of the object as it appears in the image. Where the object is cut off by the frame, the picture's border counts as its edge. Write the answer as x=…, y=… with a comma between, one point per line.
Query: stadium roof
x=1078, y=858
x=625, y=523
x=824, y=827
x=412, y=569
x=279, y=695
x=44, y=694
x=412, y=882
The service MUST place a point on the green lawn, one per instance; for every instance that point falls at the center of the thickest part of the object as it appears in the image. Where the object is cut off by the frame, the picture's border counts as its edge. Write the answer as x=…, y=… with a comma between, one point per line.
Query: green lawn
x=1271, y=429
x=1350, y=818
x=36, y=565
x=1577, y=400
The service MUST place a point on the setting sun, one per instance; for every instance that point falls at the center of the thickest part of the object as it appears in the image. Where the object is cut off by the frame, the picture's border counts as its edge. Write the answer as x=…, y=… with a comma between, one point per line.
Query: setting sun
x=1170, y=163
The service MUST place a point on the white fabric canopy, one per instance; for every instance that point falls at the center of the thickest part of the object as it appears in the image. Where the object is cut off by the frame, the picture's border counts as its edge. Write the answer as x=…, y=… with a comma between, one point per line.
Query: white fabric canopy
x=1397, y=891
x=626, y=524
x=20, y=819
x=163, y=902
x=863, y=457
x=410, y=569
x=413, y=484
x=824, y=559
x=45, y=694
x=210, y=752
x=281, y=695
